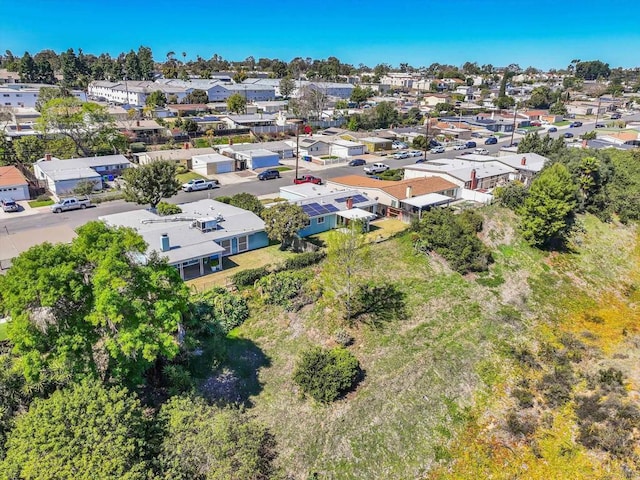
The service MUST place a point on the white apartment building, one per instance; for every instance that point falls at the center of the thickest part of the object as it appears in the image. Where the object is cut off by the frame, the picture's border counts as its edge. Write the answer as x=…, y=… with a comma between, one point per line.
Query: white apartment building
x=25, y=95
x=133, y=92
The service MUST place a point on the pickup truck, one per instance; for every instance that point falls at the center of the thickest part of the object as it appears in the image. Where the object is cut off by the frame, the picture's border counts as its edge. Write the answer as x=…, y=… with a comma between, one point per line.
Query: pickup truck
x=199, y=184
x=66, y=204
x=376, y=168
x=307, y=179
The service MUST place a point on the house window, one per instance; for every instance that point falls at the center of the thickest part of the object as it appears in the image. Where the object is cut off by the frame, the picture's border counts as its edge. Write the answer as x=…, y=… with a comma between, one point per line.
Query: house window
x=394, y=203
x=243, y=244
x=226, y=244
x=320, y=220
x=191, y=262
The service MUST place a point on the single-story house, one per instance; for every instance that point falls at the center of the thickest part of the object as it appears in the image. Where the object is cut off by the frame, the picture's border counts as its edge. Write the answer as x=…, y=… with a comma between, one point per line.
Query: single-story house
x=196, y=240
x=179, y=155
x=283, y=149
x=464, y=173
x=526, y=165
x=329, y=207
x=391, y=195
x=252, y=120
x=346, y=148
x=211, y=164
x=256, y=158
x=62, y=176
x=13, y=184
x=313, y=147
x=376, y=144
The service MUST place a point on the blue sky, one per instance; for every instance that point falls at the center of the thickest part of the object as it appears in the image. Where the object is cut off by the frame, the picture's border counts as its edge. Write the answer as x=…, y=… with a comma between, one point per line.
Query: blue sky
x=542, y=33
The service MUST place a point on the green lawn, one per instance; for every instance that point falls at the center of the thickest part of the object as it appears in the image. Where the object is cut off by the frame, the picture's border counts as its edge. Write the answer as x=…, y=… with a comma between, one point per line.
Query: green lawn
x=562, y=123
x=40, y=203
x=3, y=331
x=185, y=177
x=282, y=169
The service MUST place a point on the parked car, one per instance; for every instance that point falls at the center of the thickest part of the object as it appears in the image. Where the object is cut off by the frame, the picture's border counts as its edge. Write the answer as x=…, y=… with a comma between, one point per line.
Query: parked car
x=199, y=184
x=268, y=175
x=471, y=145
x=357, y=162
x=616, y=116
x=415, y=153
x=491, y=141
x=575, y=124
x=399, y=145
x=376, y=168
x=437, y=150
x=459, y=147
x=68, y=204
x=552, y=129
x=481, y=151
x=600, y=125
x=401, y=155
x=381, y=154
x=568, y=135
x=307, y=179
x=536, y=124
x=521, y=131
x=9, y=205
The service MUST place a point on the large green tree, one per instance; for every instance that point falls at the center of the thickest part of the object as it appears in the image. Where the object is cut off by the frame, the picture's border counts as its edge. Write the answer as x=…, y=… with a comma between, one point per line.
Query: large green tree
x=149, y=184
x=91, y=308
x=236, y=103
x=197, y=96
x=84, y=433
x=287, y=86
x=203, y=442
x=157, y=98
x=283, y=221
x=248, y=202
x=87, y=124
x=548, y=212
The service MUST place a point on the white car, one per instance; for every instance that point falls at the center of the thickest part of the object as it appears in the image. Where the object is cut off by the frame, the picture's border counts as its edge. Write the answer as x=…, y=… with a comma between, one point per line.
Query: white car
x=459, y=147
x=415, y=153
x=437, y=149
x=481, y=151
x=401, y=155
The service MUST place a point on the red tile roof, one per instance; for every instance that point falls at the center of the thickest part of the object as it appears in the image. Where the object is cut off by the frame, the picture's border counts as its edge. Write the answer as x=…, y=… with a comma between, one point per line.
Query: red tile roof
x=10, y=176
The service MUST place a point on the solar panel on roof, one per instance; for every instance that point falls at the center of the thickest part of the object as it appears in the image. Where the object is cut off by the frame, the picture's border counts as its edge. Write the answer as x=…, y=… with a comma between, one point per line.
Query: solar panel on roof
x=341, y=199
x=359, y=199
x=332, y=208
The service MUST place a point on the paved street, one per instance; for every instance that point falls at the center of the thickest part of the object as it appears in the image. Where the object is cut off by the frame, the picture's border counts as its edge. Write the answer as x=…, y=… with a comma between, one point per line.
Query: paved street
x=73, y=219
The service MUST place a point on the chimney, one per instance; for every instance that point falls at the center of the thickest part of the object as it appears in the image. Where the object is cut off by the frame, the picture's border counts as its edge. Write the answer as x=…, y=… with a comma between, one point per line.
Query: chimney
x=523, y=161
x=349, y=203
x=409, y=191
x=186, y=145
x=165, y=246
x=47, y=157
x=474, y=180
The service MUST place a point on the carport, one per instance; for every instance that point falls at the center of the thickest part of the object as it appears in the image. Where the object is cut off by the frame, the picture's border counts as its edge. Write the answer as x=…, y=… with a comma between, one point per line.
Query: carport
x=416, y=205
x=355, y=214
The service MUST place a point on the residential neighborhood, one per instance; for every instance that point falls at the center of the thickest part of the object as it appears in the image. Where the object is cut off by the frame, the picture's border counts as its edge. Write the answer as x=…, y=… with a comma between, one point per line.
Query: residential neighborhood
x=370, y=255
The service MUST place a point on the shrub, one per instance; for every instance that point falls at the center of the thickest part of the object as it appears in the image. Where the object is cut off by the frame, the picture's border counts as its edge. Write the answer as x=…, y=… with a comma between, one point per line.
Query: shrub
x=380, y=301
x=218, y=309
x=247, y=278
x=325, y=375
x=223, y=199
x=281, y=288
x=454, y=237
x=165, y=208
x=43, y=198
x=180, y=169
x=303, y=260
x=524, y=397
x=343, y=337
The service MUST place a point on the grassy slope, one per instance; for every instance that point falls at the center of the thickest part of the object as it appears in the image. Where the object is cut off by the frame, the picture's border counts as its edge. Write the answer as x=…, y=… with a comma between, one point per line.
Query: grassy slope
x=439, y=372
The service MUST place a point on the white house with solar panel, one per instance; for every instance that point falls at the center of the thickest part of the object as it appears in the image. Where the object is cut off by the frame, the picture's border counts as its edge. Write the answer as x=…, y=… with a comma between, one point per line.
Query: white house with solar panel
x=329, y=207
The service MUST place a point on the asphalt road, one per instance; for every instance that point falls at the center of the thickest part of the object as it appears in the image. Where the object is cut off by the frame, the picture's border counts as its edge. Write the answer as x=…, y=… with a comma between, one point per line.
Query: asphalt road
x=80, y=217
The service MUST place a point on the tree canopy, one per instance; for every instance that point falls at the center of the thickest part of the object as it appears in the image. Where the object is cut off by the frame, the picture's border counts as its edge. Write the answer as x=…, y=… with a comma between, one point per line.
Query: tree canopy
x=202, y=442
x=150, y=183
x=549, y=209
x=90, y=308
x=283, y=221
x=236, y=103
x=86, y=432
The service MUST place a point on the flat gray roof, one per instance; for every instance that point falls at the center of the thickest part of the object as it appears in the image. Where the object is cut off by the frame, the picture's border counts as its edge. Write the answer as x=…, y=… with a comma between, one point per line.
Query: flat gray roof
x=186, y=241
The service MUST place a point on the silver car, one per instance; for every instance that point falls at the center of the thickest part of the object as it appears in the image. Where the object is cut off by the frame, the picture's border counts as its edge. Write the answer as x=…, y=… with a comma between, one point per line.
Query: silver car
x=9, y=205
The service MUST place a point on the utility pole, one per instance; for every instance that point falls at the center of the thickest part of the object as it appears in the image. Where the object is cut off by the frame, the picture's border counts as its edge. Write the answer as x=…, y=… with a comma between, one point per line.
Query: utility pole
x=513, y=129
x=598, y=111
x=297, y=147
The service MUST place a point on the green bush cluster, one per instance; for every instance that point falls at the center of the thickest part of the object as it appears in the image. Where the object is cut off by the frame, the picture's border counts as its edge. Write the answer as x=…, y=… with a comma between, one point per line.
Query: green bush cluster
x=454, y=237
x=281, y=288
x=248, y=277
x=165, y=208
x=303, y=260
x=217, y=310
x=325, y=375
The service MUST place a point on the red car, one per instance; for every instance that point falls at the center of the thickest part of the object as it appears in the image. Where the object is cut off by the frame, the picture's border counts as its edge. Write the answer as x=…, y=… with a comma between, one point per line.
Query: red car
x=307, y=179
